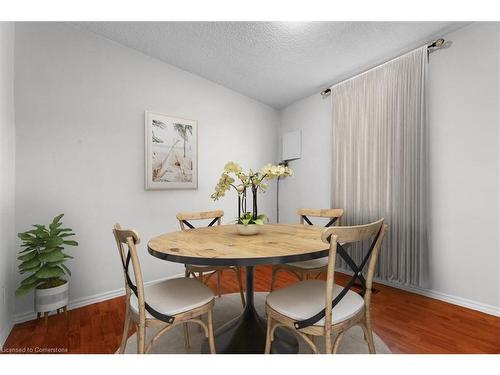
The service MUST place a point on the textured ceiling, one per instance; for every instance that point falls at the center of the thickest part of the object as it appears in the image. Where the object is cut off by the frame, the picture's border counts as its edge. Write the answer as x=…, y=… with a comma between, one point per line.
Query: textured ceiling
x=276, y=63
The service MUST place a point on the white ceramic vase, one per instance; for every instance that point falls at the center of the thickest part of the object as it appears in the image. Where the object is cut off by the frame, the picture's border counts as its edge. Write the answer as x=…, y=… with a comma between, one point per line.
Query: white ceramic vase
x=248, y=230
x=52, y=298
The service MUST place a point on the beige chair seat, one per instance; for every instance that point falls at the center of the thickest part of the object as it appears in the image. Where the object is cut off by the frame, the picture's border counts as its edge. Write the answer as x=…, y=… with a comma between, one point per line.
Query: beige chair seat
x=306, y=298
x=310, y=264
x=200, y=266
x=175, y=296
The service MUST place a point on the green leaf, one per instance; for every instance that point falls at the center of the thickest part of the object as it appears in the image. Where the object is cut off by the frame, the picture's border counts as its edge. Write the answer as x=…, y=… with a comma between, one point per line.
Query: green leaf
x=48, y=250
x=245, y=221
x=64, y=230
x=30, y=270
x=40, y=230
x=66, y=256
x=26, y=237
x=262, y=217
x=24, y=289
x=28, y=256
x=54, y=227
x=33, y=239
x=25, y=251
x=31, y=248
x=57, y=262
x=29, y=264
x=57, y=219
x=52, y=256
x=66, y=269
x=70, y=243
x=258, y=222
x=54, y=242
x=48, y=272
x=66, y=235
x=29, y=280
x=27, y=244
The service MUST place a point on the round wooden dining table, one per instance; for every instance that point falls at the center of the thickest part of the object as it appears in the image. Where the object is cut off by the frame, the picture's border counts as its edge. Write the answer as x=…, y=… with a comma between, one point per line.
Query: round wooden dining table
x=223, y=246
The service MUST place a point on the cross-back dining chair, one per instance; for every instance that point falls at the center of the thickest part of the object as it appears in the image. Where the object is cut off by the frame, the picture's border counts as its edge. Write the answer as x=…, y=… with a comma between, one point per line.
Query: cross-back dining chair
x=307, y=268
x=322, y=308
x=200, y=271
x=164, y=304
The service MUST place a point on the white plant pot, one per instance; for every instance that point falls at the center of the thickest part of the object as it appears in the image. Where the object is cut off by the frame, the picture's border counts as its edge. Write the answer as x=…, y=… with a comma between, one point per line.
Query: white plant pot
x=52, y=298
x=248, y=230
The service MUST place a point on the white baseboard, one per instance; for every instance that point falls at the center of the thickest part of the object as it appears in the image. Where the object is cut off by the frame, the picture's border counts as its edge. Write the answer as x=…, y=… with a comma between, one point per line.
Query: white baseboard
x=80, y=302
x=4, y=333
x=464, y=302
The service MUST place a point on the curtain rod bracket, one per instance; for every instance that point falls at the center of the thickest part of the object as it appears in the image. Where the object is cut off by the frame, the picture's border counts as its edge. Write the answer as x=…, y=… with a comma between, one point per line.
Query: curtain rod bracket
x=439, y=43
x=325, y=93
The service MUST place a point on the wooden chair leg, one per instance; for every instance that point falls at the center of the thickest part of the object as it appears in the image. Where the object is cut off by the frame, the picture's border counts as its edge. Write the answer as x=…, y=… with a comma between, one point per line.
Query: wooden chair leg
x=211, y=340
x=141, y=338
x=65, y=309
x=367, y=329
x=219, y=276
x=186, y=337
x=328, y=340
x=46, y=317
x=240, y=284
x=186, y=272
x=269, y=340
x=200, y=275
x=126, y=327
x=38, y=315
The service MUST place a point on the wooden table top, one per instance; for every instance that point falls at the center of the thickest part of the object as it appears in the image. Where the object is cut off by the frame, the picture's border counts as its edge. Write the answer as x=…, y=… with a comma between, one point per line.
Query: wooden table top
x=222, y=245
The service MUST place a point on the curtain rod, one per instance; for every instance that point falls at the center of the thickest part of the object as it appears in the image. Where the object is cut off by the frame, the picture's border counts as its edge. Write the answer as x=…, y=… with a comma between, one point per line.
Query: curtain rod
x=437, y=44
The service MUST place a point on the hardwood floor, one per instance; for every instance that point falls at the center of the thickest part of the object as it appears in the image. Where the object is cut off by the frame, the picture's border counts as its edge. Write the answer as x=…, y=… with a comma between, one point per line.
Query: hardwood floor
x=406, y=322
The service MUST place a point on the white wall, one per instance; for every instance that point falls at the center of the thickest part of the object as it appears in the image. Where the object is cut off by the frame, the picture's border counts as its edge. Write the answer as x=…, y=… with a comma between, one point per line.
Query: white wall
x=7, y=176
x=464, y=115
x=464, y=105
x=80, y=102
x=310, y=185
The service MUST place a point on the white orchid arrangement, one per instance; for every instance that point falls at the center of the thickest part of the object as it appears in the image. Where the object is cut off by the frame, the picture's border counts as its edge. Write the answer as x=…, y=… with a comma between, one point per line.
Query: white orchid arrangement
x=252, y=180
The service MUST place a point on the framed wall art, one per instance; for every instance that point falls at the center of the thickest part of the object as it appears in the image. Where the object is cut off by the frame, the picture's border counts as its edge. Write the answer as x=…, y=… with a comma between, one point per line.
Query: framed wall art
x=171, y=152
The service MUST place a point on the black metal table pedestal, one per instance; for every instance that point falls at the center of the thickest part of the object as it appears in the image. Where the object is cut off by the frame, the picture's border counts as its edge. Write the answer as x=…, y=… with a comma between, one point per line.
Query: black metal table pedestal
x=246, y=334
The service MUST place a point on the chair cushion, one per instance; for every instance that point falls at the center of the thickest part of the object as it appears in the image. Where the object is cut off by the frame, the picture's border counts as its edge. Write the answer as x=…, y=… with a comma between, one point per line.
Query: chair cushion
x=198, y=265
x=311, y=264
x=306, y=298
x=174, y=296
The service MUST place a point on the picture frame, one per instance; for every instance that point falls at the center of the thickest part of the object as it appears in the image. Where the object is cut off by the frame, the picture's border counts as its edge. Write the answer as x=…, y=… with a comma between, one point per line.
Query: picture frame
x=171, y=152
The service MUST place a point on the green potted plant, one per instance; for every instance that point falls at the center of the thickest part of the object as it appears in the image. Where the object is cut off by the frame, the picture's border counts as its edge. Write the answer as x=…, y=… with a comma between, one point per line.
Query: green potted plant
x=42, y=257
x=248, y=222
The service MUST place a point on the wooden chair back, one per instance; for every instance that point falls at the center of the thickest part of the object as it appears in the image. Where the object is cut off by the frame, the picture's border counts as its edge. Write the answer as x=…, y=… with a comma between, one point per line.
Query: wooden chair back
x=340, y=236
x=185, y=218
x=334, y=214
x=126, y=241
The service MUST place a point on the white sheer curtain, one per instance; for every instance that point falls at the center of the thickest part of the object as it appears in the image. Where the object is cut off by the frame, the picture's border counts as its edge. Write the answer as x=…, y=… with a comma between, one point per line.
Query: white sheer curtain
x=380, y=162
